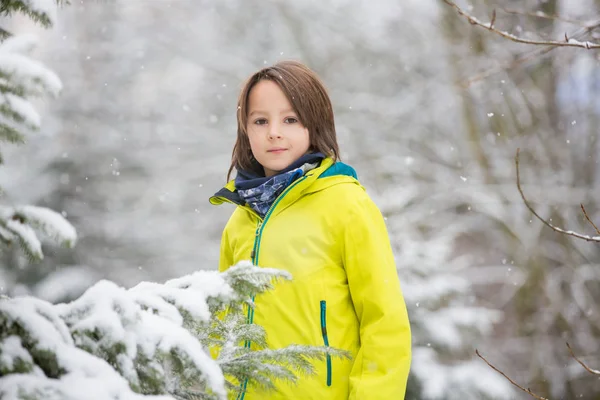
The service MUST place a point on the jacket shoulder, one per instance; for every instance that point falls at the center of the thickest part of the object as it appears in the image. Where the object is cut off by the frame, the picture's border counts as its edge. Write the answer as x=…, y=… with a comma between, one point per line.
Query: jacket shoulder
x=238, y=218
x=346, y=196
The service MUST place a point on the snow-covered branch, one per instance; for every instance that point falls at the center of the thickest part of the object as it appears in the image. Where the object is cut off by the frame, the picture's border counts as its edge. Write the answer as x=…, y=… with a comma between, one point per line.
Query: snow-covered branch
x=21, y=79
x=19, y=225
x=152, y=339
x=41, y=11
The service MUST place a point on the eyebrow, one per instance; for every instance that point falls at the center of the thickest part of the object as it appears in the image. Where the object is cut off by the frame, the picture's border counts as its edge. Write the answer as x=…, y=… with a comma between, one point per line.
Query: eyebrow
x=286, y=111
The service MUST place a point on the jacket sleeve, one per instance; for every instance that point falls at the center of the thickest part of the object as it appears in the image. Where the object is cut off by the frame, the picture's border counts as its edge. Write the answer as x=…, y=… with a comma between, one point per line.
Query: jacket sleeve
x=225, y=261
x=381, y=367
x=226, y=254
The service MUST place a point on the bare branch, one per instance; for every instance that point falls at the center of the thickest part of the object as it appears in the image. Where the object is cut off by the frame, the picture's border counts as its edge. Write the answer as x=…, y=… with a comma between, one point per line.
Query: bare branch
x=507, y=66
x=528, y=391
x=557, y=229
x=474, y=21
x=541, y=14
x=588, y=369
x=530, y=55
x=589, y=220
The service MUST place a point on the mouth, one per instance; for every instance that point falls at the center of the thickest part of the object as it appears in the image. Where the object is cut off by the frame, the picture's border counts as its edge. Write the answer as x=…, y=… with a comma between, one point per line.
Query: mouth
x=276, y=151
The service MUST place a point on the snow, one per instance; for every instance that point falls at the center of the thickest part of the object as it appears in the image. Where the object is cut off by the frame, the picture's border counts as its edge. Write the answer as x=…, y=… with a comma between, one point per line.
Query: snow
x=193, y=301
x=27, y=236
x=138, y=327
x=88, y=378
x=40, y=319
x=20, y=224
x=147, y=318
x=11, y=349
x=127, y=317
x=167, y=336
x=23, y=71
x=65, y=283
x=23, y=109
x=52, y=223
x=19, y=44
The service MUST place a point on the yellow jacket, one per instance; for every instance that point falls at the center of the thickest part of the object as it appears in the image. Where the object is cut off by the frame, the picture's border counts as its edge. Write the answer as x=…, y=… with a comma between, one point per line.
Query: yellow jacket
x=326, y=231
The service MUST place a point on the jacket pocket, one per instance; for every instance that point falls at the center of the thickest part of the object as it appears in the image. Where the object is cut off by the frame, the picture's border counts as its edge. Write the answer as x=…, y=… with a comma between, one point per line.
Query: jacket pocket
x=325, y=338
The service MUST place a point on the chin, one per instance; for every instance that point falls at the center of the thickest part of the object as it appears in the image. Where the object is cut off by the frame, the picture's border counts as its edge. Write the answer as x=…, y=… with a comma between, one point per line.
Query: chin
x=278, y=167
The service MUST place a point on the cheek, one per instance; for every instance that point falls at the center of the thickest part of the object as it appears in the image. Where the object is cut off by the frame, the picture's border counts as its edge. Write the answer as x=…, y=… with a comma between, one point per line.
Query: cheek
x=306, y=138
x=253, y=138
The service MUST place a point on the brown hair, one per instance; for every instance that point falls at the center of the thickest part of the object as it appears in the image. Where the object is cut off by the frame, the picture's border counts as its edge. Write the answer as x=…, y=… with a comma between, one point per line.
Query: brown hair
x=310, y=102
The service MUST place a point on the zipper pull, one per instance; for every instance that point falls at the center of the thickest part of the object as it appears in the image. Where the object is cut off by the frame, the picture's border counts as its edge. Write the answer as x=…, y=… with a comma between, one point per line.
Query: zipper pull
x=252, y=253
x=258, y=228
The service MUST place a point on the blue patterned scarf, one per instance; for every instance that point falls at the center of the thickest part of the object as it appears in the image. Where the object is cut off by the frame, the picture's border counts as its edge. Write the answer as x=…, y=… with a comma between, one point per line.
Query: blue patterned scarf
x=260, y=192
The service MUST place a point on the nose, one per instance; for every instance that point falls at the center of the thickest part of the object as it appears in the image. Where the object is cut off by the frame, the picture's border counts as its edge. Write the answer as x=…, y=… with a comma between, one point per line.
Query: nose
x=274, y=131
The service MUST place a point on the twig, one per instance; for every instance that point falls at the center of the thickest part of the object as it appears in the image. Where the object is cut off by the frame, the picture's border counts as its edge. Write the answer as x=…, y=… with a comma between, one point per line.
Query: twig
x=528, y=391
x=589, y=220
x=588, y=369
x=540, y=14
x=568, y=43
x=507, y=66
x=557, y=229
x=523, y=58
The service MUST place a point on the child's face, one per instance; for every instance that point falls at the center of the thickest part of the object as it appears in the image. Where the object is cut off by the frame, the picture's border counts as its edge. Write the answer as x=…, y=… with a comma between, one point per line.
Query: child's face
x=277, y=138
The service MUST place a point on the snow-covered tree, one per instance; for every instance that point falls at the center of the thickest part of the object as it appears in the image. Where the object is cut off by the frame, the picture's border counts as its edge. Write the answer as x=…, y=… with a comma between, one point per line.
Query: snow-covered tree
x=152, y=339
x=21, y=79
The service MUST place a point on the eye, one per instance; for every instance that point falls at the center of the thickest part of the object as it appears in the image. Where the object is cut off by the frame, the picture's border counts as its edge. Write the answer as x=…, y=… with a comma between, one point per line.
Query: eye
x=260, y=121
x=290, y=120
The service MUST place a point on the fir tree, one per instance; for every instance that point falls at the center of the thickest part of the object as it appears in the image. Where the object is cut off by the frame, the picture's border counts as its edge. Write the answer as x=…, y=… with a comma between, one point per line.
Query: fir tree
x=150, y=340
x=21, y=79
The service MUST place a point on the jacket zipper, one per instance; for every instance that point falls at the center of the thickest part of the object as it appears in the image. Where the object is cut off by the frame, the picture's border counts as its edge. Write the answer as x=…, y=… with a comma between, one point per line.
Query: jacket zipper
x=254, y=255
x=325, y=338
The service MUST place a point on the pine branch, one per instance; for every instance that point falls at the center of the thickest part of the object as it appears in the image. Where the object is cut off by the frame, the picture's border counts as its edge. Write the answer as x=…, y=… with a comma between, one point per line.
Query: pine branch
x=248, y=279
x=10, y=134
x=6, y=236
x=16, y=114
x=26, y=237
x=261, y=368
x=19, y=224
x=51, y=223
x=9, y=7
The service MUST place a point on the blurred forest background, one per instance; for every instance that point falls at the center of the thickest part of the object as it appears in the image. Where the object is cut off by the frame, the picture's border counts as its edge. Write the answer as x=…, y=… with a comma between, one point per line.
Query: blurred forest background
x=430, y=111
